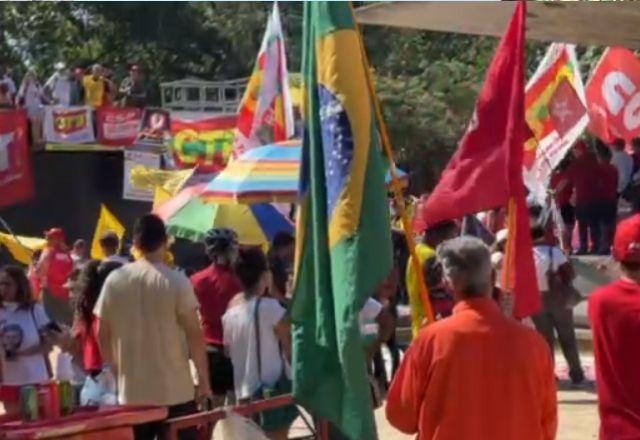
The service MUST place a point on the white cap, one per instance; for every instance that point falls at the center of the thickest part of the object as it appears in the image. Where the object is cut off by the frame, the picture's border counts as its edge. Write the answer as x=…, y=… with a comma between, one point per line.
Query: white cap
x=502, y=235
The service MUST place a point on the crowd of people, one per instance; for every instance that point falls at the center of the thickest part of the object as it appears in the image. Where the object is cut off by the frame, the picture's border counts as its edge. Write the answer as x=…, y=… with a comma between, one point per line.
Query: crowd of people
x=136, y=329
x=93, y=86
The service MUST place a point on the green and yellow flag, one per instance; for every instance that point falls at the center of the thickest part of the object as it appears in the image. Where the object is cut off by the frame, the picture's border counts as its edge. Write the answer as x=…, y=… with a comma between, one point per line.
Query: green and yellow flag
x=343, y=230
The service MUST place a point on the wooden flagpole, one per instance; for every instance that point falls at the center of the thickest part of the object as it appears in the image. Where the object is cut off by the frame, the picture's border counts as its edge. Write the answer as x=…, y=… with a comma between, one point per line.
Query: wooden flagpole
x=395, y=184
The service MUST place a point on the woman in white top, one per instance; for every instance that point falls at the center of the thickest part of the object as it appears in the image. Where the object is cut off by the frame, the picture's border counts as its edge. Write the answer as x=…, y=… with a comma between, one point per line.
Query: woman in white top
x=30, y=97
x=25, y=337
x=239, y=330
x=555, y=316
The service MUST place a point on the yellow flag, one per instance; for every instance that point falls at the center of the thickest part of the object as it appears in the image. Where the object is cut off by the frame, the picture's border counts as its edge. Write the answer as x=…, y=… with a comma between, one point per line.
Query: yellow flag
x=160, y=195
x=21, y=248
x=150, y=178
x=106, y=222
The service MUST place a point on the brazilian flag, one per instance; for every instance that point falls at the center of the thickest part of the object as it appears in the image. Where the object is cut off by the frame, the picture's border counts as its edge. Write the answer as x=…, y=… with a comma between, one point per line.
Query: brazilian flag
x=343, y=231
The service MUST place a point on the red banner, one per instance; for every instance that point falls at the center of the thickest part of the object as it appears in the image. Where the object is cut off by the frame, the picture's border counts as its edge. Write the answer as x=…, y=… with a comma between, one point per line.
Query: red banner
x=16, y=181
x=613, y=96
x=206, y=143
x=118, y=126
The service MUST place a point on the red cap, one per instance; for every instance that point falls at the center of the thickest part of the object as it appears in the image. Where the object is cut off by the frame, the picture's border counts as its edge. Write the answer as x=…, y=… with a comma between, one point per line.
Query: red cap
x=626, y=245
x=54, y=233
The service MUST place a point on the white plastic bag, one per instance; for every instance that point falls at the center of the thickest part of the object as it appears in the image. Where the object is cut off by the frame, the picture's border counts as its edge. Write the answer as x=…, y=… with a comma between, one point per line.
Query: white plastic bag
x=100, y=390
x=236, y=427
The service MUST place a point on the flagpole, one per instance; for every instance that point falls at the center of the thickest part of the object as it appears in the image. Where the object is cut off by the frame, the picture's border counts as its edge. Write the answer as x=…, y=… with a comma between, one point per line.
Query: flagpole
x=509, y=255
x=395, y=184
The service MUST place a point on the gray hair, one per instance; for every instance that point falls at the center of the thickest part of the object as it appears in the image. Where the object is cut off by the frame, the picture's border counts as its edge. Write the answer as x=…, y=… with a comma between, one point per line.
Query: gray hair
x=466, y=264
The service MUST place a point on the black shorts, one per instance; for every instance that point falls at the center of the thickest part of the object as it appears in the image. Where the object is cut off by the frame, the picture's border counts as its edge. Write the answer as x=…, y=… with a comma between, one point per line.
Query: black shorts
x=220, y=371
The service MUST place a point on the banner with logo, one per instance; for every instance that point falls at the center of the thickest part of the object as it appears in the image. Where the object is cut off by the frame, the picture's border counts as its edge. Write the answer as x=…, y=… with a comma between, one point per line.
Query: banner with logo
x=555, y=114
x=155, y=128
x=133, y=159
x=68, y=125
x=16, y=180
x=118, y=126
x=613, y=94
x=206, y=143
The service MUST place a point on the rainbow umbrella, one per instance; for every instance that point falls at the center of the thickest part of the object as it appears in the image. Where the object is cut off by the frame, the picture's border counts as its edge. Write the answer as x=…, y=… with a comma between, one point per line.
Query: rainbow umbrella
x=189, y=216
x=264, y=174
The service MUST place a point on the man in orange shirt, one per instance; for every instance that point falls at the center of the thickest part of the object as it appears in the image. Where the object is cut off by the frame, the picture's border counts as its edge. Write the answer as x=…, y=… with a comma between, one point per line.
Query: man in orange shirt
x=477, y=374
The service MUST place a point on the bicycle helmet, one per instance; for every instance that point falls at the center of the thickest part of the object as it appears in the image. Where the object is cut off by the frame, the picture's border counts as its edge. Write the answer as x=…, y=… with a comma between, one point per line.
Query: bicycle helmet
x=219, y=240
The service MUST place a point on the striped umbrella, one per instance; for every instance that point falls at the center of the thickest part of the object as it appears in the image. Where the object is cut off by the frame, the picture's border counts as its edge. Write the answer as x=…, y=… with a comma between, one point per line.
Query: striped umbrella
x=264, y=174
x=189, y=216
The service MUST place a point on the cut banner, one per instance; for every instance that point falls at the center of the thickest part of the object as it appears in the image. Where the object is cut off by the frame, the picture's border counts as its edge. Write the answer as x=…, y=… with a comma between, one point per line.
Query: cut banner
x=118, y=126
x=613, y=94
x=16, y=180
x=68, y=125
x=265, y=114
x=206, y=143
x=556, y=115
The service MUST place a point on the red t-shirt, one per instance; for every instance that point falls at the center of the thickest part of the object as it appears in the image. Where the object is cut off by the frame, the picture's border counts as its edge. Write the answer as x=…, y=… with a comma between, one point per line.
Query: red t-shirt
x=60, y=266
x=614, y=312
x=561, y=184
x=91, y=357
x=215, y=286
x=607, y=183
x=581, y=174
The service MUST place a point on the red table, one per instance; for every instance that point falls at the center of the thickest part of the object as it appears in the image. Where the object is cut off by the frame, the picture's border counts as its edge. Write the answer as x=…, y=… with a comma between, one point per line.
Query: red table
x=109, y=423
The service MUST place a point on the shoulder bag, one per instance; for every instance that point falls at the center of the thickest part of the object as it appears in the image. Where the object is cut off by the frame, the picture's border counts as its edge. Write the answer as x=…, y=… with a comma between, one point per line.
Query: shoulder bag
x=278, y=418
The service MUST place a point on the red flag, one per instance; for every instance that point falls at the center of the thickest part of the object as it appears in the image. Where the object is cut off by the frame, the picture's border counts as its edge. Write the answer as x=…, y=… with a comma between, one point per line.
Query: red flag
x=486, y=170
x=613, y=96
x=16, y=182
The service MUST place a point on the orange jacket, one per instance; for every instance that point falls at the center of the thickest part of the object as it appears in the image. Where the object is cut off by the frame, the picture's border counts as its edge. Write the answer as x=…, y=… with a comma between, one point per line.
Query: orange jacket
x=475, y=375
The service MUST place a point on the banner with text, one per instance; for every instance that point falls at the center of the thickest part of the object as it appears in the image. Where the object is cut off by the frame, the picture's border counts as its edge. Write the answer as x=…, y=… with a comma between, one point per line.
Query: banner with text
x=613, y=94
x=118, y=126
x=68, y=125
x=206, y=143
x=555, y=113
x=16, y=180
x=133, y=159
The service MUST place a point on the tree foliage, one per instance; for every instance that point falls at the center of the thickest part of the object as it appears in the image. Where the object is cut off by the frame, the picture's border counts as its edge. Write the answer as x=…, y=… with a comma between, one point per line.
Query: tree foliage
x=427, y=81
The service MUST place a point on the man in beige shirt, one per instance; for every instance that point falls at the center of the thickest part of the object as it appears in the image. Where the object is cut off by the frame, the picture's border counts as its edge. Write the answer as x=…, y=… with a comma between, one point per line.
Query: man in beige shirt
x=149, y=328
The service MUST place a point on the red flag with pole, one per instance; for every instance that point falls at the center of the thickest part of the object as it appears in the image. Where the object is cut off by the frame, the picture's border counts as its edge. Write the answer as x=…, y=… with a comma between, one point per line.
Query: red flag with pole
x=486, y=170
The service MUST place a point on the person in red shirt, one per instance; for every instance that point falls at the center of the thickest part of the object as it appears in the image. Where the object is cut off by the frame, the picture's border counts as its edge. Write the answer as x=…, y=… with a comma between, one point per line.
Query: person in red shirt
x=562, y=191
x=614, y=312
x=582, y=172
x=215, y=286
x=478, y=374
x=607, y=191
x=54, y=268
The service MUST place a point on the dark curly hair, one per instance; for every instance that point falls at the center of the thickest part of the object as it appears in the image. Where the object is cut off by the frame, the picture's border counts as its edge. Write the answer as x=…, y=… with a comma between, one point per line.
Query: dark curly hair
x=90, y=281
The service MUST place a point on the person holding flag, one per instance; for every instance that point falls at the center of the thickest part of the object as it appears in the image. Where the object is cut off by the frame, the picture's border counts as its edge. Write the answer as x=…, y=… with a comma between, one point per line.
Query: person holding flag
x=343, y=234
x=479, y=374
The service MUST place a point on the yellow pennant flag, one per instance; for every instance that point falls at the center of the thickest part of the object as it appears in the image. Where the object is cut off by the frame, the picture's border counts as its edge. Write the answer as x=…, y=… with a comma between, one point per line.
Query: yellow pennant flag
x=106, y=222
x=21, y=248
